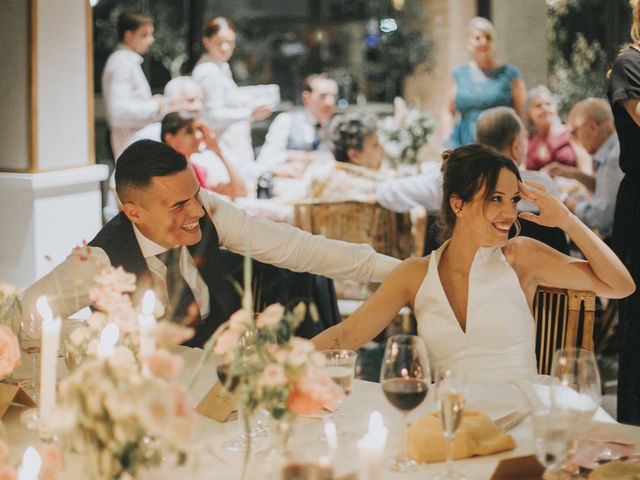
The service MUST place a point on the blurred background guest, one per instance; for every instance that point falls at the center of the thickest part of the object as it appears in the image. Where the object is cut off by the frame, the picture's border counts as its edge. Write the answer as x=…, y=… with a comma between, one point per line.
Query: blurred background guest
x=127, y=94
x=482, y=83
x=226, y=108
x=355, y=145
x=293, y=136
x=549, y=139
x=186, y=133
x=591, y=124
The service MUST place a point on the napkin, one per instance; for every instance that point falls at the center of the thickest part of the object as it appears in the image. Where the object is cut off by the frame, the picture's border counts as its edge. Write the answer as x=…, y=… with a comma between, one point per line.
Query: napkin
x=598, y=446
x=477, y=435
x=616, y=471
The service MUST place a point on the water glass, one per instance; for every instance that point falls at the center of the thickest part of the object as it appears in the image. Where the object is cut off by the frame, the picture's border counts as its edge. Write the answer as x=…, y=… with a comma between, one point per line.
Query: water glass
x=553, y=432
x=340, y=366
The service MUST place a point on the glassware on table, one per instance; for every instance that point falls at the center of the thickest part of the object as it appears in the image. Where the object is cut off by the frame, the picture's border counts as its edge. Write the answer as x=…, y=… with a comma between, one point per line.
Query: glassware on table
x=553, y=435
x=72, y=357
x=29, y=336
x=451, y=395
x=340, y=366
x=575, y=385
x=405, y=380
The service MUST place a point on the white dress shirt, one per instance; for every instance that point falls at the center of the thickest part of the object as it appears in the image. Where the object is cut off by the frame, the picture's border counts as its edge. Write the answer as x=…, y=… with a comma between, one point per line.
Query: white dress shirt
x=67, y=287
x=127, y=97
x=274, y=150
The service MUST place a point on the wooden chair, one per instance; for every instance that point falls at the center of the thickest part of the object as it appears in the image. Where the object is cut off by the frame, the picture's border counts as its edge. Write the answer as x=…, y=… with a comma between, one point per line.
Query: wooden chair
x=564, y=318
x=358, y=222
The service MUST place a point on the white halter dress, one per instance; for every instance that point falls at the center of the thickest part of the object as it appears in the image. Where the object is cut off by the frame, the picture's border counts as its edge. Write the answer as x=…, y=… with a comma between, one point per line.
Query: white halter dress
x=499, y=342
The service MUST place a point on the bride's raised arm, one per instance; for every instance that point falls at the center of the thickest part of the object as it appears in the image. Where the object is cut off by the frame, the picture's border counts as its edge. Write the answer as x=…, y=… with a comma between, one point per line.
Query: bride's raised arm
x=399, y=289
x=602, y=272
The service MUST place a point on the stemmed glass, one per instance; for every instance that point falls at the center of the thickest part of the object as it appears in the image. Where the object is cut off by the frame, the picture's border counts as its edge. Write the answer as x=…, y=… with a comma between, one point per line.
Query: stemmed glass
x=30, y=338
x=405, y=379
x=451, y=394
x=575, y=384
x=552, y=431
x=340, y=367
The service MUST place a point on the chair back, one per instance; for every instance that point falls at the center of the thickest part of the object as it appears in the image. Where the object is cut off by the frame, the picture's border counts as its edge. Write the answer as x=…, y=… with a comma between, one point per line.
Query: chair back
x=358, y=222
x=564, y=319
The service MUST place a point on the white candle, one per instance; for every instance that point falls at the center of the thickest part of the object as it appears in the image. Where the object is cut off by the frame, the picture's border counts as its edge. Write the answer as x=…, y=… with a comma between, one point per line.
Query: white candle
x=108, y=339
x=48, y=357
x=146, y=322
x=371, y=448
x=30, y=466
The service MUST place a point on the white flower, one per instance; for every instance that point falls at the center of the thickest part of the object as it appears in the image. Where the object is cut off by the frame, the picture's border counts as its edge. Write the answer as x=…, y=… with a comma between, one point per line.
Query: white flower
x=271, y=316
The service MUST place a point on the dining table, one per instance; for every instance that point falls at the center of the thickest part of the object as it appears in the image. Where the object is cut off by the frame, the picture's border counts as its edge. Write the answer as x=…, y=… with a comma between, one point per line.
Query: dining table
x=210, y=460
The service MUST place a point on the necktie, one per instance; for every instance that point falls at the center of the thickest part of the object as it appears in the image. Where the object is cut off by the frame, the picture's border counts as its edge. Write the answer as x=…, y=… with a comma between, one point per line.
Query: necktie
x=183, y=307
x=316, y=136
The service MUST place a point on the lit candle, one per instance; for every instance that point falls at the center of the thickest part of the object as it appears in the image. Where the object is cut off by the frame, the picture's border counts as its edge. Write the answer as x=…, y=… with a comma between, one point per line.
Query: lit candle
x=30, y=466
x=48, y=357
x=108, y=339
x=371, y=448
x=147, y=321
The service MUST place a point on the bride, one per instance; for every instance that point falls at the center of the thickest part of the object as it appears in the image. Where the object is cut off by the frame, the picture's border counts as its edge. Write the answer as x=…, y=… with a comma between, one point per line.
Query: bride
x=472, y=297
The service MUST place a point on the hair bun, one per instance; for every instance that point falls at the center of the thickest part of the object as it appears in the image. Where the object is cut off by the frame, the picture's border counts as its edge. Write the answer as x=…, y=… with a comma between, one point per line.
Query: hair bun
x=446, y=155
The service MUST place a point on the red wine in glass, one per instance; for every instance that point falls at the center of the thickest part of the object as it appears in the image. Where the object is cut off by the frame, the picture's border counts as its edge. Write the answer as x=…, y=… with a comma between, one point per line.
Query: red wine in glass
x=405, y=393
x=223, y=375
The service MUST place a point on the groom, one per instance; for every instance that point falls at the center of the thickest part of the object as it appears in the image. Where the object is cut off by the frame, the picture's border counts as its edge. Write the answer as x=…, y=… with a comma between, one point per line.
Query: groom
x=170, y=233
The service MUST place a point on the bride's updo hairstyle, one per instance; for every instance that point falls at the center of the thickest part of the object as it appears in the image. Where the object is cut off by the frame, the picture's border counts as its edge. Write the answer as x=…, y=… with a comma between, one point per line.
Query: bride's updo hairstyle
x=465, y=171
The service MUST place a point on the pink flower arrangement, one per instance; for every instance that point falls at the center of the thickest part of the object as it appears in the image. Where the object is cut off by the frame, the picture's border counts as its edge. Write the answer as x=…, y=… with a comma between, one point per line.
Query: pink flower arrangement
x=9, y=351
x=164, y=364
x=271, y=316
x=313, y=392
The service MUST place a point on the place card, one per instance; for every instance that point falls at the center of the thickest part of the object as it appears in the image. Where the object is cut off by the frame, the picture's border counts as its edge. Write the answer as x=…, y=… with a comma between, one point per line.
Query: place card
x=11, y=393
x=519, y=468
x=217, y=404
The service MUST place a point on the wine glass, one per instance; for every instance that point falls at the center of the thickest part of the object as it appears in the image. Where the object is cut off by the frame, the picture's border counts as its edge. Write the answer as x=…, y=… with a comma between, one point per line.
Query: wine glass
x=552, y=432
x=405, y=380
x=575, y=385
x=451, y=395
x=340, y=367
x=30, y=338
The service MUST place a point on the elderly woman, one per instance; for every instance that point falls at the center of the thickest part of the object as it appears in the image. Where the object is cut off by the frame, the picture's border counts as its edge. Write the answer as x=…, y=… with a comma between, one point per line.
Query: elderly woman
x=358, y=153
x=549, y=139
x=478, y=85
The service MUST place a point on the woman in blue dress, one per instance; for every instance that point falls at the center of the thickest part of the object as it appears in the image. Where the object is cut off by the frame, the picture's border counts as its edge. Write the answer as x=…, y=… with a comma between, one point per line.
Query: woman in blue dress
x=478, y=85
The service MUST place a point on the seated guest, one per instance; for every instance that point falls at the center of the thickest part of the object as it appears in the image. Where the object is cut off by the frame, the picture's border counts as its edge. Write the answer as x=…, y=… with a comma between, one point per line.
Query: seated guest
x=356, y=147
x=293, y=136
x=165, y=210
x=591, y=123
x=472, y=297
x=185, y=133
x=550, y=140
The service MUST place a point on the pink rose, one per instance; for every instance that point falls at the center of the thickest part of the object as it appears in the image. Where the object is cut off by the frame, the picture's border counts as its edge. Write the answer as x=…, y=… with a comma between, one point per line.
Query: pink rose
x=271, y=316
x=169, y=334
x=52, y=463
x=7, y=472
x=164, y=364
x=314, y=391
x=9, y=351
x=238, y=321
x=272, y=376
x=227, y=341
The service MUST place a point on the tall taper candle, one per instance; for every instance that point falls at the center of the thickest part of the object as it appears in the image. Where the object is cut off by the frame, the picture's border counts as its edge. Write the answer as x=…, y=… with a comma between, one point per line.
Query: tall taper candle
x=48, y=357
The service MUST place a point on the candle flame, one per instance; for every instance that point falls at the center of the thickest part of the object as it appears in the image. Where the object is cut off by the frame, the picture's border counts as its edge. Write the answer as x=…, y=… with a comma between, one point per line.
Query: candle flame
x=109, y=336
x=31, y=463
x=148, y=302
x=43, y=309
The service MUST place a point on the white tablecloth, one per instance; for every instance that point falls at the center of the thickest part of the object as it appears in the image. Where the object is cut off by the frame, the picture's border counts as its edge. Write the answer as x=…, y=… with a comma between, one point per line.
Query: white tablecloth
x=212, y=461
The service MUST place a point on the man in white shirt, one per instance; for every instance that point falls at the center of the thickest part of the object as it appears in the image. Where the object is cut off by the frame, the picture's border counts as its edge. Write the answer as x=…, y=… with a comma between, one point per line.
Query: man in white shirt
x=293, y=136
x=127, y=94
x=164, y=210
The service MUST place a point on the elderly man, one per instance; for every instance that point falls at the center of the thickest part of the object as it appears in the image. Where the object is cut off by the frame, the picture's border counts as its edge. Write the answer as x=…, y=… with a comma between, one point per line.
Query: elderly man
x=591, y=123
x=164, y=210
x=293, y=136
x=127, y=95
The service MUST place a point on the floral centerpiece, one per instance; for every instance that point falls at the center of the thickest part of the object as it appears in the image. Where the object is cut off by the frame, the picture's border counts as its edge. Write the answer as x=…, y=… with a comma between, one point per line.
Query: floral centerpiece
x=404, y=134
x=9, y=352
x=120, y=408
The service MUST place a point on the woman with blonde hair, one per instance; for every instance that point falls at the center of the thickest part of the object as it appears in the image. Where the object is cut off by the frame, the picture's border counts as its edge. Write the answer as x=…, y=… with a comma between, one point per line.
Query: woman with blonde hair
x=623, y=91
x=478, y=85
x=472, y=297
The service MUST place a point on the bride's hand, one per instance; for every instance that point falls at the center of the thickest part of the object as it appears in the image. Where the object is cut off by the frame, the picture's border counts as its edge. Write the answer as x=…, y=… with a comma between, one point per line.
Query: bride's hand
x=552, y=212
